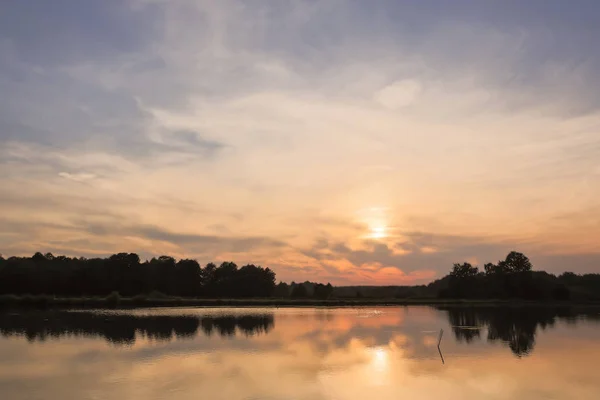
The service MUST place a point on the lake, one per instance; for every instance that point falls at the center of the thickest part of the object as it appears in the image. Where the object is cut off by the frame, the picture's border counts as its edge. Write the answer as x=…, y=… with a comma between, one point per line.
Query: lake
x=302, y=353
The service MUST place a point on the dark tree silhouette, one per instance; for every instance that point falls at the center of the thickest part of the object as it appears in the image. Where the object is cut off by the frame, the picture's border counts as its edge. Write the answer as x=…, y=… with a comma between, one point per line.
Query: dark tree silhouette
x=463, y=271
x=123, y=273
x=282, y=290
x=514, y=277
x=323, y=291
x=299, y=291
x=462, y=281
x=515, y=263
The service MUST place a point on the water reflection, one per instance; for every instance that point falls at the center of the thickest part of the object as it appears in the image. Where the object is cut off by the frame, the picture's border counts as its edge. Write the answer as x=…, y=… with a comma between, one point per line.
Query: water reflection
x=514, y=326
x=309, y=354
x=123, y=328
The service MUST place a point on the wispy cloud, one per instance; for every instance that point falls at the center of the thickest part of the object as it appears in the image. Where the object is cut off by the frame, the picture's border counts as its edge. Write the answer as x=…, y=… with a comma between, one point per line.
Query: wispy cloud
x=77, y=177
x=215, y=129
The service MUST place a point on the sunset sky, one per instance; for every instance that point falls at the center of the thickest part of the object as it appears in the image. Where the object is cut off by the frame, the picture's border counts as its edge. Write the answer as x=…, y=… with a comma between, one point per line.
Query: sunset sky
x=356, y=142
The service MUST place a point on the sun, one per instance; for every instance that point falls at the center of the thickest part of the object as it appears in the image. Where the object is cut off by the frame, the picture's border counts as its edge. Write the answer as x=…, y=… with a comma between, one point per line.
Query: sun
x=376, y=223
x=378, y=232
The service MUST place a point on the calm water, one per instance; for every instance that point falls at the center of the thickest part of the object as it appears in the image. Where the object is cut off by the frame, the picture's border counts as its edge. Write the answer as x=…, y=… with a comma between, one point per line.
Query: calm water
x=303, y=353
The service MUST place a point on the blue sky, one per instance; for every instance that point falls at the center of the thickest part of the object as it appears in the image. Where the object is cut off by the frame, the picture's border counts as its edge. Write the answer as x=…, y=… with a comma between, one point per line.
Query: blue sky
x=373, y=142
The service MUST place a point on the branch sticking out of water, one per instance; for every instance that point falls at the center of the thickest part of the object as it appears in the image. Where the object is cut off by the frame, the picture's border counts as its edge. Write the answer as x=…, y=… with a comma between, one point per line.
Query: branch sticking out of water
x=438, y=346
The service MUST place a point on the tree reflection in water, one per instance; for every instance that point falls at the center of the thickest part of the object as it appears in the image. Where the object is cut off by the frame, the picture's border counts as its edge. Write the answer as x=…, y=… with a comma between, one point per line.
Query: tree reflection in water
x=514, y=326
x=122, y=328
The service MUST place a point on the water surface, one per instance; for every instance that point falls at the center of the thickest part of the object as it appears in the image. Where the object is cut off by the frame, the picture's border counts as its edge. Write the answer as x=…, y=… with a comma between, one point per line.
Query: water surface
x=301, y=353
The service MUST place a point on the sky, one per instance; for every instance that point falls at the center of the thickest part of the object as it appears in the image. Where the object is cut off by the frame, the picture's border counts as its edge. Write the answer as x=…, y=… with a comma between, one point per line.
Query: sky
x=345, y=141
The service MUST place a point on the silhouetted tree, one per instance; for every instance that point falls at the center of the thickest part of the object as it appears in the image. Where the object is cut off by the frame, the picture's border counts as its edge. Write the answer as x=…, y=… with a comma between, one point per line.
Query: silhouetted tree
x=514, y=277
x=515, y=263
x=125, y=275
x=323, y=291
x=491, y=269
x=561, y=292
x=187, y=277
x=464, y=271
x=299, y=291
x=282, y=290
x=462, y=281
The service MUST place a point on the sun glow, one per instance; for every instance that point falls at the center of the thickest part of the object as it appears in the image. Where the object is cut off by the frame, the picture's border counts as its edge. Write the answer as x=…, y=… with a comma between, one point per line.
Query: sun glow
x=376, y=222
x=378, y=367
x=380, y=358
x=378, y=232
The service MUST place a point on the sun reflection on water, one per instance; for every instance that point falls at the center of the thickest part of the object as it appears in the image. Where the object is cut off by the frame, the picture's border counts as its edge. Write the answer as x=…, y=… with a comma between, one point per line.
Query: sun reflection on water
x=378, y=365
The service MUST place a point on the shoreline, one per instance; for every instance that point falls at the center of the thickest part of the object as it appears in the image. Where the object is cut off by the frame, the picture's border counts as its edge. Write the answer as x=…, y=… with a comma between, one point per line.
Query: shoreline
x=42, y=301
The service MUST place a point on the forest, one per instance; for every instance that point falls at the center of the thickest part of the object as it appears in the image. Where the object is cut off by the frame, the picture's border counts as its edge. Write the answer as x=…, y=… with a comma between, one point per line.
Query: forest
x=124, y=274
x=514, y=278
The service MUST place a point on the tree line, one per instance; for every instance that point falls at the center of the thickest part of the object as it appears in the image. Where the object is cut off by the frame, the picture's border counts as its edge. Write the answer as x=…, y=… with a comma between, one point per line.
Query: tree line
x=514, y=278
x=303, y=290
x=125, y=274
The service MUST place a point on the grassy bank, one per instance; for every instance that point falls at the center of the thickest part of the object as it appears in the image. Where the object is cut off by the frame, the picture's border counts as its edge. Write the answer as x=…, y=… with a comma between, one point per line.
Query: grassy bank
x=116, y=301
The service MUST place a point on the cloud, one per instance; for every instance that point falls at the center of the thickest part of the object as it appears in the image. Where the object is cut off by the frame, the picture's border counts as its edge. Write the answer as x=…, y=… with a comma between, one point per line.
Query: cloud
x=192, y=139
x=275, y=125
x=207, y=242
x=77, y=177
x=404, y=262
x=379, y=262
x=398, y=94
x=185, y=145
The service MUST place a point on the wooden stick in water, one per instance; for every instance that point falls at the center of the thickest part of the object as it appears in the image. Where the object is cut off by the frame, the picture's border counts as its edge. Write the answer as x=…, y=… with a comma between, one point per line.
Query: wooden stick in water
x=439, y=342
